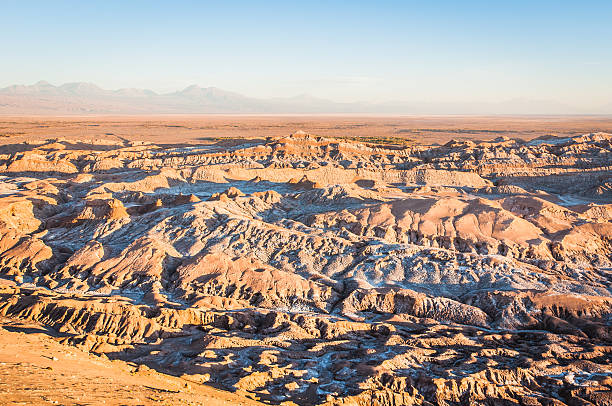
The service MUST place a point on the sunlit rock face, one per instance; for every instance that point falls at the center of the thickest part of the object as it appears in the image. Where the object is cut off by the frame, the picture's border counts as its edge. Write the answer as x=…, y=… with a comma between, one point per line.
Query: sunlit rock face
x=324, y=271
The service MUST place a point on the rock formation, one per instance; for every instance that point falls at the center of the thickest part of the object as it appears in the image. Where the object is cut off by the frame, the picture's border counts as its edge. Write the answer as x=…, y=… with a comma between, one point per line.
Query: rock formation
x=323, y=271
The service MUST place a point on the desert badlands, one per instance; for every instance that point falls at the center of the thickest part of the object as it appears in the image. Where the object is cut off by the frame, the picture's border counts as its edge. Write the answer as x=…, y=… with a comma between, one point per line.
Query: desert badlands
x=305, y=264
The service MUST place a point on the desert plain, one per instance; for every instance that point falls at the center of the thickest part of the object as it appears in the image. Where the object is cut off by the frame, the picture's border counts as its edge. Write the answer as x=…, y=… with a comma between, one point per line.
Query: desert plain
x=306, y=260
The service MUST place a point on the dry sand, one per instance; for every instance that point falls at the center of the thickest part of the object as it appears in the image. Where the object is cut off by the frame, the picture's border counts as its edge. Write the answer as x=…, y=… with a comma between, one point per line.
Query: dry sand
x=199, y=129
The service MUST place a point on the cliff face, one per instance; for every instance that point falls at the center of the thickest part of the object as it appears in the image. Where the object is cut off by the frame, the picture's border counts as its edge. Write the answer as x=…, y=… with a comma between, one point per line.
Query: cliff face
x=322, y=271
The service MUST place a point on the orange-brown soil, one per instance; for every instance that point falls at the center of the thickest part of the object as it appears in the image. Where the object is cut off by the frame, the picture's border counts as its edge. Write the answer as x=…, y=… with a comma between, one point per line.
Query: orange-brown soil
x=206, y=128
x=36, y=370
x=449, y=267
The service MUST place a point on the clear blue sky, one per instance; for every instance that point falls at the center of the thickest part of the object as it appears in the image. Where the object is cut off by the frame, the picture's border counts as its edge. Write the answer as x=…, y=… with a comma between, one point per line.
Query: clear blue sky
x=342, y=50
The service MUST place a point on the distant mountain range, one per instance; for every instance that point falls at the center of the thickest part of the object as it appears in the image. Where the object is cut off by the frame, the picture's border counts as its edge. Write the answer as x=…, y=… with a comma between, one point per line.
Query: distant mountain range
x=86, y=98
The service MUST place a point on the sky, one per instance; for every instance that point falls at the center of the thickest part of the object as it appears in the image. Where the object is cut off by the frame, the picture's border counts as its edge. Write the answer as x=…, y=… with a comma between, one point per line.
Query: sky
x=431, y=51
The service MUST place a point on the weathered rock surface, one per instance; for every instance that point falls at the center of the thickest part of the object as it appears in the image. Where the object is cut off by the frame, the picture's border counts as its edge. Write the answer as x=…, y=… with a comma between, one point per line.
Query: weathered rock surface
x=317, y=271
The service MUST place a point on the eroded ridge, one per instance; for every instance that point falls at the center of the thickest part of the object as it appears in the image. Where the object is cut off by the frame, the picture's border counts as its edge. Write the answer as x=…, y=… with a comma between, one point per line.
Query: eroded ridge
x=324, y=271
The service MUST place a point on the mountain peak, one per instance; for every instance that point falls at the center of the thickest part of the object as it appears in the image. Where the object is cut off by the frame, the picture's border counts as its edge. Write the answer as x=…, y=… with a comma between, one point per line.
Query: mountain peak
x=81, y=88
x=192, y=87
x=43, y=83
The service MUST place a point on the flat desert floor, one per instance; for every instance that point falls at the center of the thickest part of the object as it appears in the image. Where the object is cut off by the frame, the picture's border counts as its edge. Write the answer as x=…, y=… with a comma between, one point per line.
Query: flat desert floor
x=197, y=129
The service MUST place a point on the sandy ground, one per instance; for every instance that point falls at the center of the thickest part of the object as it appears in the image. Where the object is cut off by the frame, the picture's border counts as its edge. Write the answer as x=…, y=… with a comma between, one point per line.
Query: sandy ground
x=204, y=128
x=36, y=370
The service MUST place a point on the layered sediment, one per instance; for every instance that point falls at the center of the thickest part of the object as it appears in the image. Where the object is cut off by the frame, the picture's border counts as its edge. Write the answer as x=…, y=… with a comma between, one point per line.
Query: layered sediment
x=324, y=271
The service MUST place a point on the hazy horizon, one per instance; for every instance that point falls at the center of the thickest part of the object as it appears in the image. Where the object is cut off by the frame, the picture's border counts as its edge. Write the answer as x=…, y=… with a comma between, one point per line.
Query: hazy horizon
x=347, y=52
x=45, y=98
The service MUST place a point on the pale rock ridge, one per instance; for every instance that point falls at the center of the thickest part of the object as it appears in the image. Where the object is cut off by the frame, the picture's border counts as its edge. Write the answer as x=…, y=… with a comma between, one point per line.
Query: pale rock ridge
x=325, y=271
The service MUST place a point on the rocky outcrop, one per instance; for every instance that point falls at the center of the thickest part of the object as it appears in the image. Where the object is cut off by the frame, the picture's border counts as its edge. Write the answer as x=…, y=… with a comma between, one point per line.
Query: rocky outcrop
x=408, y=302
x=252, y=281
x=323, y=271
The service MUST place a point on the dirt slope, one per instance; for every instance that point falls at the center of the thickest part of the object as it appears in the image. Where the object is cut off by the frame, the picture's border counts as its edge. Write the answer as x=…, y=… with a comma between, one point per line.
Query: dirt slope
x=37, y=370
